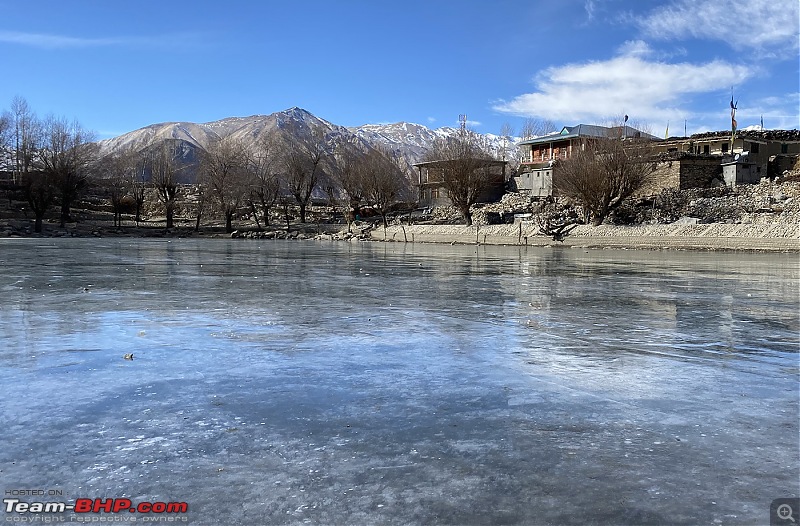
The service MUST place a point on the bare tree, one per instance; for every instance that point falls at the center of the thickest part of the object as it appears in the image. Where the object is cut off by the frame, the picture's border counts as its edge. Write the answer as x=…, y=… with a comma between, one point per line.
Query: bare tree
x=114, y=171
x=536, y=128
x=162, y=165
x=6, y=164
x=554, y=221
x=22, y=141
x=463, y=167
x=385, y=183
x=351, y=178
x=40, y=194
x=25, y=135
x=265, y=181
x=303, y=163
x=67, y=155
x=509, y=151
x=201, y=192
x=5, y=140
x=224, y=168
x=138, y=182
x=506, y=138
x=604, y=173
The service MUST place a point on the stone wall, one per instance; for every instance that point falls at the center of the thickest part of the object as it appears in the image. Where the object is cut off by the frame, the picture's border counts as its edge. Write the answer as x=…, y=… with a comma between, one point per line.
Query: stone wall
x=699, y=172
x=681, y=171
x=778, y=164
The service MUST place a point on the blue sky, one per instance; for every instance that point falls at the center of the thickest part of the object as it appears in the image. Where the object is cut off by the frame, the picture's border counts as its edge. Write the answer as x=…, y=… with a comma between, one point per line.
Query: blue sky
x=119, y=66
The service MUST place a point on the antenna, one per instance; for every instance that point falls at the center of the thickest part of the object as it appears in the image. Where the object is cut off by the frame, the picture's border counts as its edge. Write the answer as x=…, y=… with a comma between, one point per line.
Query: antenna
x=462, y=120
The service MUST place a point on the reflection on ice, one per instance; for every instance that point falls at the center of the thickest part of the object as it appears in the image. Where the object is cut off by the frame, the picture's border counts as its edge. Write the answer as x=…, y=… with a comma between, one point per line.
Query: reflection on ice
x=381, y=383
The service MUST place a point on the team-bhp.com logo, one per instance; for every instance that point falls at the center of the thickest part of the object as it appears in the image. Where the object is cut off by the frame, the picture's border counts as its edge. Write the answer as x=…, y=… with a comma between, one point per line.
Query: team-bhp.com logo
x=159, y=510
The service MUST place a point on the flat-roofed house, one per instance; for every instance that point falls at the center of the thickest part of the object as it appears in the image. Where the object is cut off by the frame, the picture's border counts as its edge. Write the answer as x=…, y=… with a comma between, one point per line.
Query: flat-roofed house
x=539, y=155
x=751, y=155
x=433, y=192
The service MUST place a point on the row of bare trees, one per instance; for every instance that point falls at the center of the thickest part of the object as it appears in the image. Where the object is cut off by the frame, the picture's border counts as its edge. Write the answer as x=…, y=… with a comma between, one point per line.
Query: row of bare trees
x=274, y=170
x=374, y=178
x=236, y=177
x=52, y=158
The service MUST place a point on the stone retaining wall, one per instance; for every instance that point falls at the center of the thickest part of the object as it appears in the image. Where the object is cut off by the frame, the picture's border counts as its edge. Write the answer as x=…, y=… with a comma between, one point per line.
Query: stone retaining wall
x=779, y=237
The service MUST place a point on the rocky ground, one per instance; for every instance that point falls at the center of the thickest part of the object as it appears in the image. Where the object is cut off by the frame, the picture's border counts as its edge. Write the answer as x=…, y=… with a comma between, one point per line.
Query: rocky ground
x=762, y=217
x=764, y=203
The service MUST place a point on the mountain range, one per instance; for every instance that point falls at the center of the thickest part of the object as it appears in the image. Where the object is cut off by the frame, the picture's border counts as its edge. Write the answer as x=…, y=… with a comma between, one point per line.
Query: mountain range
x=410, y=142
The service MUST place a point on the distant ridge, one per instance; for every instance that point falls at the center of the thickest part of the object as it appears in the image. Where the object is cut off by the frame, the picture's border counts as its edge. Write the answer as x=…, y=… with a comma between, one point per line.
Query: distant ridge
x=407, y=140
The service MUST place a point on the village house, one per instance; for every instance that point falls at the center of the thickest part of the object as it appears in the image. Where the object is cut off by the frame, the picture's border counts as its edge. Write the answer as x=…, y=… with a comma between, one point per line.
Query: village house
x=539, y=155
x=432, y=191
x=701, y=158
x=680, y=162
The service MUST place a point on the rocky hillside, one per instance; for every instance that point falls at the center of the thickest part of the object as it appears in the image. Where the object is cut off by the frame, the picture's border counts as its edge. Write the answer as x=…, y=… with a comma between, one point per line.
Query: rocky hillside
x=294, y=121
x=407, y=140
x=292, y=125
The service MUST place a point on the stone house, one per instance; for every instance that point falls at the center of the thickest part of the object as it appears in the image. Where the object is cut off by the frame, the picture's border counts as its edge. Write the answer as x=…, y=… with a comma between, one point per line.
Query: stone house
x=717, y=145
x=432, y=191
x=681, y=170
x=753, y=154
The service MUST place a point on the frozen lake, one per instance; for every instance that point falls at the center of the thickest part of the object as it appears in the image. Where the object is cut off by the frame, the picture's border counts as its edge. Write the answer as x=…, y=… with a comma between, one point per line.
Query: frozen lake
x=319, y=383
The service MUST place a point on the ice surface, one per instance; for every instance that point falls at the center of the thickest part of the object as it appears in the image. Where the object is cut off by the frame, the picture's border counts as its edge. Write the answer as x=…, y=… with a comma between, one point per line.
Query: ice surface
x=298, y=382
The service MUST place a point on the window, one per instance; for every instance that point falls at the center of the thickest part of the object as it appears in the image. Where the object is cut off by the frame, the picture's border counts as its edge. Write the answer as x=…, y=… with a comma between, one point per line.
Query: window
x=754, y=147
x=784, y=148
x=724, y=147
x=706, y=149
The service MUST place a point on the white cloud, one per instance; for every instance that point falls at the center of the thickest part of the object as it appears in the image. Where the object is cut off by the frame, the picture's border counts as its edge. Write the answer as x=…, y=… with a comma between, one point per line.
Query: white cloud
x=52, y=41
x=589, y=7
x=635, y=48
x=47, y=41
x=770, y=26
x=648, y=91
